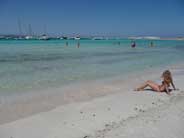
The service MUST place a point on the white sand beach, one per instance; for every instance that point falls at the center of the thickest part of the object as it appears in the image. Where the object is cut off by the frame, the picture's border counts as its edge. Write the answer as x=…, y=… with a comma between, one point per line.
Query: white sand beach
x=117, y=112
x=80, y=68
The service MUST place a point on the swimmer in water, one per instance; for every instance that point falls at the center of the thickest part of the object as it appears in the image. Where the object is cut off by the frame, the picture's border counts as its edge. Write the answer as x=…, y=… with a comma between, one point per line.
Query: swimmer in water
x=133, y=45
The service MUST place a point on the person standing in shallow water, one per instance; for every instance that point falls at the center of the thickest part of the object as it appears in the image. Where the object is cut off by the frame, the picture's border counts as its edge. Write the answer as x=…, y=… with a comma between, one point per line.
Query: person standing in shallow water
x=119, y=43
x=151, y=44
x=78, y=44
x=66, y=44
x=133, y=45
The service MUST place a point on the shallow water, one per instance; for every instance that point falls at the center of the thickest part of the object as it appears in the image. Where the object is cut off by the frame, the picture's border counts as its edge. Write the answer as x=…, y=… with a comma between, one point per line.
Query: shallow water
x=32, y=64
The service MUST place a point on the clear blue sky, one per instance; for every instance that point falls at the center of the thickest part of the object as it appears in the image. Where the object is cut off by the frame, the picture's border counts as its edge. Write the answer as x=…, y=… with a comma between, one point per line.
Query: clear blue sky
x=94, y=17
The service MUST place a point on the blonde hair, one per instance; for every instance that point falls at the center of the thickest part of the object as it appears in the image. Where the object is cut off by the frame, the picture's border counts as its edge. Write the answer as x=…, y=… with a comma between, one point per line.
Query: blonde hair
x=167, y=76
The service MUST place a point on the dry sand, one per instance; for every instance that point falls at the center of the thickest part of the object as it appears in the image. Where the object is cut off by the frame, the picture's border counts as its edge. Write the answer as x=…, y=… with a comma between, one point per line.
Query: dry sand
x=121, y=114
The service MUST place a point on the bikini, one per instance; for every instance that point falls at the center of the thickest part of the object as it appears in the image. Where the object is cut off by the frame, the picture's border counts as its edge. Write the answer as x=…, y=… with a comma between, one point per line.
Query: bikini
x=162, y=87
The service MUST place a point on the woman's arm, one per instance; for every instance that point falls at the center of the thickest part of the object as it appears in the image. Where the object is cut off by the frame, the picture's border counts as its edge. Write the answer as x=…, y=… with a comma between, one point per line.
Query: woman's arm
x=173, y=85
x=167, y=89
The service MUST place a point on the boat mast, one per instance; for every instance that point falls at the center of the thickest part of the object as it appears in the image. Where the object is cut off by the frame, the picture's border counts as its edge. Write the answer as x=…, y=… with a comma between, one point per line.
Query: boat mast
x=45, y=30
x=30, y=33
x=19, y=27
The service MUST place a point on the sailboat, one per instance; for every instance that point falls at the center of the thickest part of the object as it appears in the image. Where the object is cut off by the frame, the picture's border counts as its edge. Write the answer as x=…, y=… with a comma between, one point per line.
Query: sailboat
x=30, y=33
x=44, y=37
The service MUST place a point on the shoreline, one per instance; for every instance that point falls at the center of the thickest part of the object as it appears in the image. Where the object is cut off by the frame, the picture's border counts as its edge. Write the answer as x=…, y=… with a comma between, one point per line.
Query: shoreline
x=103, y=115
x=46, y=100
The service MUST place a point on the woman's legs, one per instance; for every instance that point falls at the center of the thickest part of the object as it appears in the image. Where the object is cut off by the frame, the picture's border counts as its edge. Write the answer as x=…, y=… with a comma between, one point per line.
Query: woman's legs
x=151, y=84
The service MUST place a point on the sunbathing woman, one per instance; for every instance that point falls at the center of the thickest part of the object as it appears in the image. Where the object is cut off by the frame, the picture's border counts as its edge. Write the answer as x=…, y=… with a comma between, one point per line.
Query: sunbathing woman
x=164, y=87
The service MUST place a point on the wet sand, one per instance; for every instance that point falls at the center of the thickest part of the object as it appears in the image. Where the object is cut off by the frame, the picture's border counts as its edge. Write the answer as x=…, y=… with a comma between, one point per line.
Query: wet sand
x=109, y=110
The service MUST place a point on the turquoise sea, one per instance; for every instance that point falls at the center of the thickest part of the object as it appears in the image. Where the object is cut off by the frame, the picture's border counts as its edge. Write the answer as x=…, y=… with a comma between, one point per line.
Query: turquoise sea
x=27, y=65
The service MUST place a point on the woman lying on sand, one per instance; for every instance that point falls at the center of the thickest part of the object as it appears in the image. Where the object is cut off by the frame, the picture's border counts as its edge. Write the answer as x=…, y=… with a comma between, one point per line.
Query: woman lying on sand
x=164, y=87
